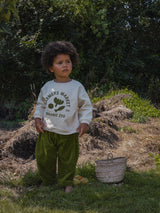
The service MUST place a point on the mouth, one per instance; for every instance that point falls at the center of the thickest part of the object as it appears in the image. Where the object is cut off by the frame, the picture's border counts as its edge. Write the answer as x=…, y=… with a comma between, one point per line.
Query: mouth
x=65, y=70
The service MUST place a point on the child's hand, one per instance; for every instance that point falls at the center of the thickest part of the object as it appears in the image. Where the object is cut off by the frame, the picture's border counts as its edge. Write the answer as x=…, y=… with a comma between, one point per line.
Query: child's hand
x=83, y=127
x=39, y=125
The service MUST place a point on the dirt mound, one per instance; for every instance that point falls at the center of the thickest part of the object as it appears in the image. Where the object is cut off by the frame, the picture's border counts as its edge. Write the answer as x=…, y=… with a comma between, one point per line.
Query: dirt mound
x=108, y=104
x=22, y=143
x=110, y=131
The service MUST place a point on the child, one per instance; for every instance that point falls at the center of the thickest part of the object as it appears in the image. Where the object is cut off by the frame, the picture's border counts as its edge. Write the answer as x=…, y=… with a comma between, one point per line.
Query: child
x=63, y=113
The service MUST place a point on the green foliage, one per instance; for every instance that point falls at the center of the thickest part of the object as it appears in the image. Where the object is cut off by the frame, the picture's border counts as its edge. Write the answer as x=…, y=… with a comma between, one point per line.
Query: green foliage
x=9, y=179
x=142, y=108
x=156, y=158
x=7, y=8
x=154, y=89
x=117, y=41
x=22, y=110
x=31, y=179
x=127, y=129
x=7, y=124
x=87, y=170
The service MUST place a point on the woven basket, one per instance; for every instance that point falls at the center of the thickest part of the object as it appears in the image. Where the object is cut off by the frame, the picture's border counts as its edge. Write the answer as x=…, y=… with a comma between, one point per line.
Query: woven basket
x=110, y=170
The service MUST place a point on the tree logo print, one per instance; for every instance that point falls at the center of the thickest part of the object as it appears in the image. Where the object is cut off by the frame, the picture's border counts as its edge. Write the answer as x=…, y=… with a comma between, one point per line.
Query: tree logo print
x=57, y=102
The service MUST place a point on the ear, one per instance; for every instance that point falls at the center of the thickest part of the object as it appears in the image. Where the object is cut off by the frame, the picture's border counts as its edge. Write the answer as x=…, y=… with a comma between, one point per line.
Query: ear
x=51, y=69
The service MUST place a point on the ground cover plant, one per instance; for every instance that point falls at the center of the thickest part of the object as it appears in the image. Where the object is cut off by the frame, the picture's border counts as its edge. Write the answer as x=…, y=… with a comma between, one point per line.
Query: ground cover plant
x=139, y=192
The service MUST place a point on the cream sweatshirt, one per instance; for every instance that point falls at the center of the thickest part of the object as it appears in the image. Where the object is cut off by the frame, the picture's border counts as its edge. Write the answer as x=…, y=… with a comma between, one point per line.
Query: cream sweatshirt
x=63, y=106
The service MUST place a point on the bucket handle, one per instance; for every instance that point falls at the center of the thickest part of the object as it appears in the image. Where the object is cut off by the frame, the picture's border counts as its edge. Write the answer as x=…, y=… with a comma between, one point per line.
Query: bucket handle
x=110, y=156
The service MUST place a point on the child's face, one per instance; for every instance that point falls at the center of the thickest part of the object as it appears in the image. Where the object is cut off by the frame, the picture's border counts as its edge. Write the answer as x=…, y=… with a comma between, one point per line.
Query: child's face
x=62, y=67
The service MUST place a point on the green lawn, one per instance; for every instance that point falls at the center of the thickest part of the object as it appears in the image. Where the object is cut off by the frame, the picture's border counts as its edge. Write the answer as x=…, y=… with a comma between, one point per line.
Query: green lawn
x=139, y=193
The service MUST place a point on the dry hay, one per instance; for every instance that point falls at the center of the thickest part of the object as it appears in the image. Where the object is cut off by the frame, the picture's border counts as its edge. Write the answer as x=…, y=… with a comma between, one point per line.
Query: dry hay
x=17, y=150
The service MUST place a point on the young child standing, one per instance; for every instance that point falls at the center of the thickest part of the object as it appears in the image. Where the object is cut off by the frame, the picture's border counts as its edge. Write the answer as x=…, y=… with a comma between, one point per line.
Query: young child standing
x=63, y=113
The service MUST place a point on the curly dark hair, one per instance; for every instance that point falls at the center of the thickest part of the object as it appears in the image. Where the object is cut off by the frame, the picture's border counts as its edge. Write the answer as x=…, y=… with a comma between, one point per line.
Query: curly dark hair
x=55, y=48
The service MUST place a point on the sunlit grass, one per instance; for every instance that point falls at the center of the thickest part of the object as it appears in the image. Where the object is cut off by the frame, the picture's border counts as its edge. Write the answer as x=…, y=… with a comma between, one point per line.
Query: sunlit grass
x=139, y=192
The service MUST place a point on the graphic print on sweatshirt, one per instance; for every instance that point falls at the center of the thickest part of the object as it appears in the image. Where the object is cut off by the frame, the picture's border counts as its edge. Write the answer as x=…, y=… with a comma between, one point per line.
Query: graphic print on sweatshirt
x=58, y=103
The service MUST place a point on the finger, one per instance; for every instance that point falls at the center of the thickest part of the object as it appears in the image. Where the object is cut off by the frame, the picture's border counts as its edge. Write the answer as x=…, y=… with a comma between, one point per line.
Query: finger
x=40, y=129
x=80, y=132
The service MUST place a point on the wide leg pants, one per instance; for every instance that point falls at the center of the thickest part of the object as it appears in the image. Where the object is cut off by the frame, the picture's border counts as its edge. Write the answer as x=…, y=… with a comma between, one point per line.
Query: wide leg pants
x=50, y=147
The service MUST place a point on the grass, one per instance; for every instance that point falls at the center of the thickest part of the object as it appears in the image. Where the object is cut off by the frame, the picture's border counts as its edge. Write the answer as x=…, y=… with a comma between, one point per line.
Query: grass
x=127, y=129
x=142, y=108
x=139, y=193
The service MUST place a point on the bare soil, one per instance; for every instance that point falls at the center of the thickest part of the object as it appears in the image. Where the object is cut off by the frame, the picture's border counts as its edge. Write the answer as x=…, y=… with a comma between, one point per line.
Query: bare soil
x=111, y=131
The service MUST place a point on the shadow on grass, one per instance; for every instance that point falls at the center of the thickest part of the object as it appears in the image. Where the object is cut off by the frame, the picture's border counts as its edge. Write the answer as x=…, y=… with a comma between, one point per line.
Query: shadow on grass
x=139, y=192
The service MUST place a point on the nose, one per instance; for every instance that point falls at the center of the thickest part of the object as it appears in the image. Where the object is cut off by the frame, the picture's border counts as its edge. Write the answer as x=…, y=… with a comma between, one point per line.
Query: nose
x=65, y=64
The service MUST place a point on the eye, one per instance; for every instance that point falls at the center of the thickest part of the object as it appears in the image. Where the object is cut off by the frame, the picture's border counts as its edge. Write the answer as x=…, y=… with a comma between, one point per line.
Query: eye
x=68, y=61
x=60, y=62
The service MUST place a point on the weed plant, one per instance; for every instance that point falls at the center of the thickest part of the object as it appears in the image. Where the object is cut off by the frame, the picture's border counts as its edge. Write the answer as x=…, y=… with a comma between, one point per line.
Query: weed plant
x=156, y=158
x=127, y=129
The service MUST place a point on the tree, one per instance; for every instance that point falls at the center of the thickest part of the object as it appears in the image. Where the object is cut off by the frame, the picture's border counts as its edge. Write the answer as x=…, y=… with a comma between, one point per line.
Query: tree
x=117, y=42
x=7, y=8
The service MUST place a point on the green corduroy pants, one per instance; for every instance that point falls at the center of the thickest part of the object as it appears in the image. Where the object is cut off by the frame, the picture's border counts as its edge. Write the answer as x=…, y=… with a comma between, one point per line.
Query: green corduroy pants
x=52, y=148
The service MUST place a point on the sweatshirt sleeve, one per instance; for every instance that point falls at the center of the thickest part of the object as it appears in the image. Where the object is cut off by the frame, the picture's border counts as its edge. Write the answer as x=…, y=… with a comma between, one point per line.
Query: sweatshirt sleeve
x=40, y=107
x=85, y=106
